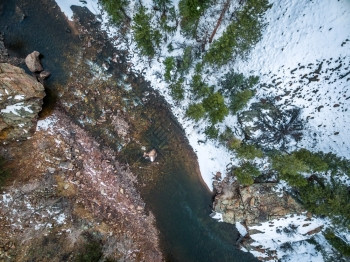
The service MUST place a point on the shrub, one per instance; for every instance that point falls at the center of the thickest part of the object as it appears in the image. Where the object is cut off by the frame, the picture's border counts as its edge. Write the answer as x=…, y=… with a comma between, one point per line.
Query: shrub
x=337, y=243
x=198, y=68
x=169, y=64
x=234, y=143
x=186, y=59
x=226, y=135
x=168, y=21
x=236, y=81
x=289, y=168
x=287, y=246
x=176, y=90
x=229, y=140
x=332, y=200
x=145, y=37
x=4, y=173
x=162, y=5
x=249, y=151
x=313, y=160
x=92, y=251
x=245, y=173
x=195, y=111
x=215, y=106
x=199, y=87
x=290, y=230
x=240, y=100
x=190, y=12
x=170, y=47
x=116, y=9
x=335, y=164
x=212, y=132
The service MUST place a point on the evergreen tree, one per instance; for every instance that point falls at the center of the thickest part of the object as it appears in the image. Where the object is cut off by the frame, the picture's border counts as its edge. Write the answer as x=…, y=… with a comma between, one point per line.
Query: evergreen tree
x=214, y=104
x=195, y=111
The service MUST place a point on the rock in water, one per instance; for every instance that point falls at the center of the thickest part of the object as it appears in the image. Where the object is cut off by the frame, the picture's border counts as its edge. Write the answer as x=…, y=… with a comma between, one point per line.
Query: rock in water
x=44, y=74
x=33, y=62
x=151, y=155
x=21, y=99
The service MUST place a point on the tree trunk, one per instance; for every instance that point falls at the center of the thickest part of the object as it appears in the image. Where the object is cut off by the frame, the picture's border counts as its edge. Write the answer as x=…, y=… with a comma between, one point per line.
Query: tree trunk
x=227, y=4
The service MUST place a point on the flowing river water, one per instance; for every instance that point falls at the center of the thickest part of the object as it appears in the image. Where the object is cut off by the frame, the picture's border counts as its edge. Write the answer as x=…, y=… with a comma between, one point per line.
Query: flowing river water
x=172, y=189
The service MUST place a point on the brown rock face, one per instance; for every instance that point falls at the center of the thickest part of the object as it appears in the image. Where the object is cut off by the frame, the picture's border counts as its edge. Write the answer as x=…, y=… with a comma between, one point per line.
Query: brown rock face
x=33, y=62
x=20, y=102
x=252, y=204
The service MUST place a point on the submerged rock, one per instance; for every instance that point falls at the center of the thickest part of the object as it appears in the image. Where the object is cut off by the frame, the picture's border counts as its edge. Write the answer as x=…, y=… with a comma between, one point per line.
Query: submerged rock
x=151, y=155
x=252, y=204
x=33, y=62
x=44, y=74
x=21, y=98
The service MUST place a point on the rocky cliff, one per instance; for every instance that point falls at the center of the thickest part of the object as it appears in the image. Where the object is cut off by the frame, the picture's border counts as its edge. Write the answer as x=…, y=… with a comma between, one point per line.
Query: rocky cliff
x=252, y=204
x=21, y=98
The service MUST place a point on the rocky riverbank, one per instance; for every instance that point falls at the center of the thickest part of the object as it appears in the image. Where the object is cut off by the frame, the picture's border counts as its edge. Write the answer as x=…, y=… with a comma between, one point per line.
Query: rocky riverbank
x=270, y=221
x=68, y=198
x=252, y=204
x=69, y=190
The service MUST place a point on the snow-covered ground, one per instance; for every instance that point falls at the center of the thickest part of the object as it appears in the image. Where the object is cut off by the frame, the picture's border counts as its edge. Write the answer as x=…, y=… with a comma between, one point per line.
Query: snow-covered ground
x=279, y=233
x=305, y=34
x=304, y=58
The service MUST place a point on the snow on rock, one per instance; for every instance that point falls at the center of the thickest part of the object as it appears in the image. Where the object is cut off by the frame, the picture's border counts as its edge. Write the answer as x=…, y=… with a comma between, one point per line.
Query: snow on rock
x=16, y=108
x=241, y=229
x=6, y=199
x=46, y=123
x=60, y=219
x=217, y=216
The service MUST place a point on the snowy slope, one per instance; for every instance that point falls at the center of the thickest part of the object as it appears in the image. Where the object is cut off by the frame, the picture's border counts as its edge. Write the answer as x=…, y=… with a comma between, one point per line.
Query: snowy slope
x=305, y=34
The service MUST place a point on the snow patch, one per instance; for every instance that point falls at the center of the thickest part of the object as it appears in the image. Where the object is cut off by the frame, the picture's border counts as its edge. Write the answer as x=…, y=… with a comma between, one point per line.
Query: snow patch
x=241, y=229
x=46, y=123
x=19, y=97
x=16, y=108
x=217, y=216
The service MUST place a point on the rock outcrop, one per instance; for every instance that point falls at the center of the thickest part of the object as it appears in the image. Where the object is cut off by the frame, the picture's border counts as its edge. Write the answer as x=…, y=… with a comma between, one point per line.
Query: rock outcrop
x=252, y=204
x=33, y=62
x=21, y=98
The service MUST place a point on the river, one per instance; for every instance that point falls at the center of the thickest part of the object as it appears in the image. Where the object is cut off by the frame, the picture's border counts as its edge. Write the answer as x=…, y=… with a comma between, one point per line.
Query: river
x=172, y=190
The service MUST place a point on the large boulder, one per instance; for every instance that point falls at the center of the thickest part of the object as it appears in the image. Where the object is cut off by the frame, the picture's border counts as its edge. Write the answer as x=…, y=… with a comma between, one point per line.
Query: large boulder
x=21, y=99
x=252, y=204
x=33, y=62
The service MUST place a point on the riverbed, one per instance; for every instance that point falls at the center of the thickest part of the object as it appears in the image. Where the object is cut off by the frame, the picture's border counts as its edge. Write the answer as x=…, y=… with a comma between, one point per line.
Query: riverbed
x=171, y=186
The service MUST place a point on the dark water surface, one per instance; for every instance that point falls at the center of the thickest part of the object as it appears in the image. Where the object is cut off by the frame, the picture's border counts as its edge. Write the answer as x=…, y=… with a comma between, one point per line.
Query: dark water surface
x=179, y=201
